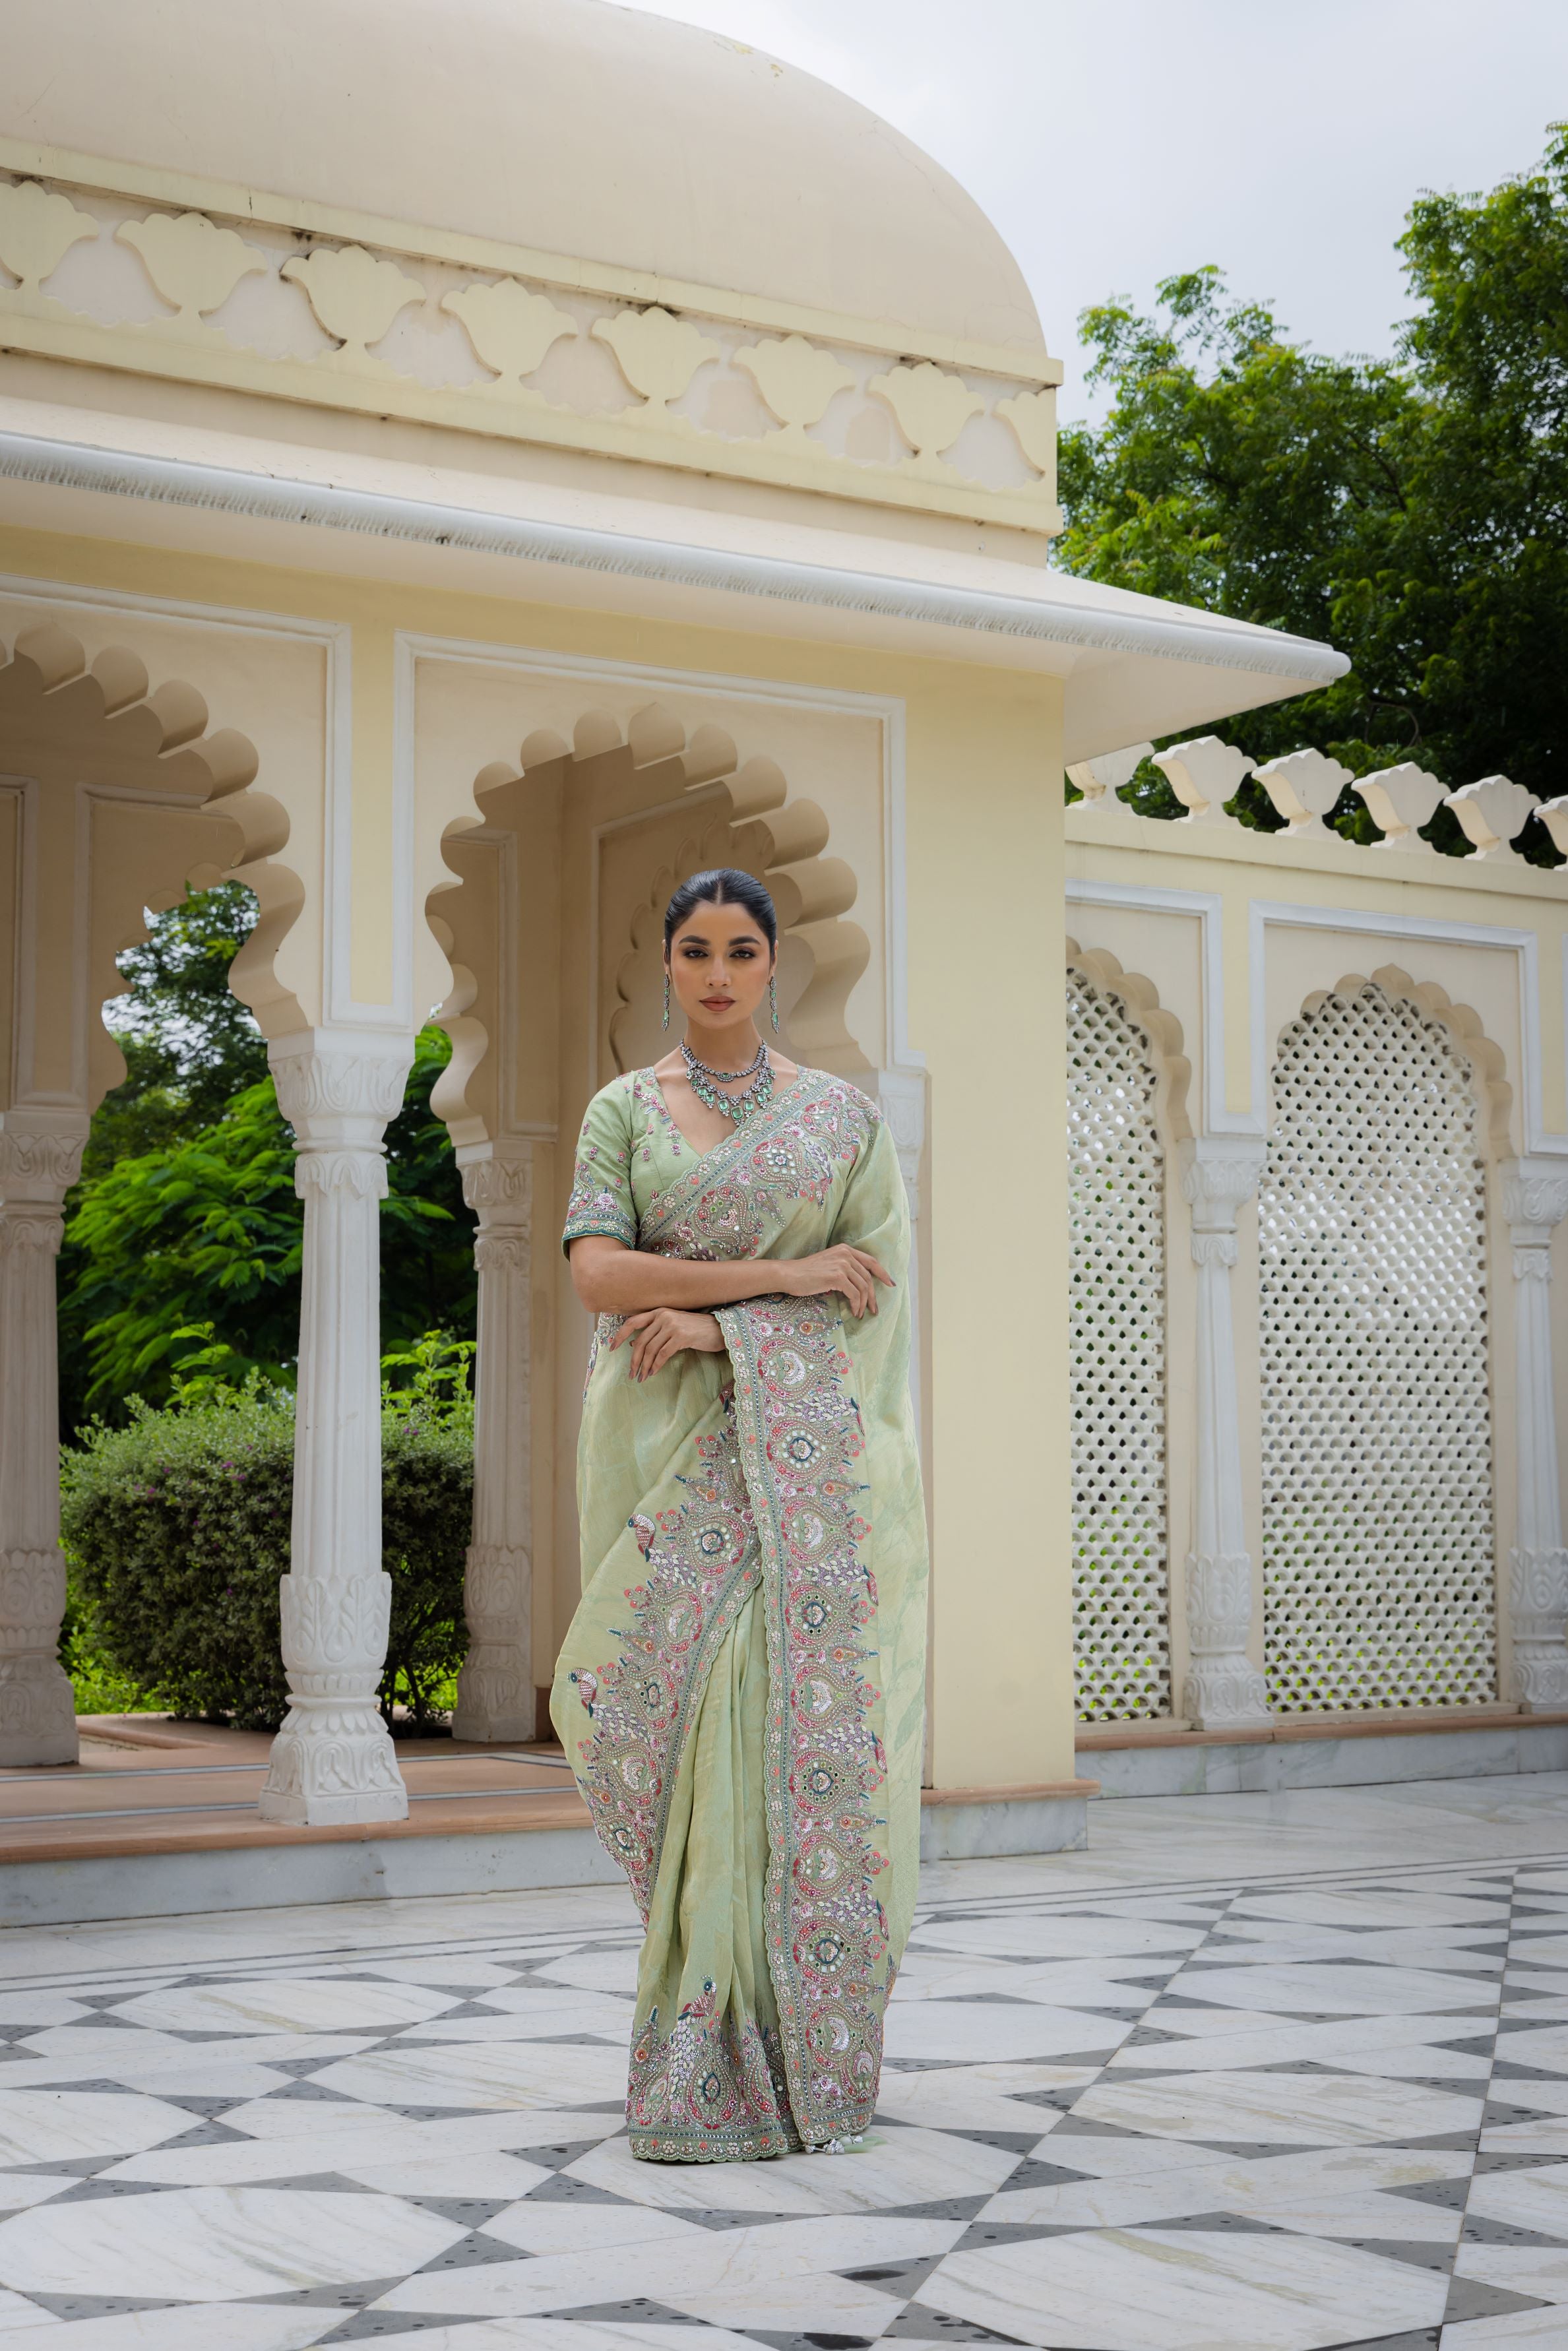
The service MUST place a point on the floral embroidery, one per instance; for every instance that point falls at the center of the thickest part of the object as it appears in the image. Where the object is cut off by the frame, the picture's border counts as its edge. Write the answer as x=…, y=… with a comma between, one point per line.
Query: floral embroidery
x=646, y=1090
x=801, y=1443
x=710, y=2090
x=722, y=1207
x=600, y=1202
x=701, y=1562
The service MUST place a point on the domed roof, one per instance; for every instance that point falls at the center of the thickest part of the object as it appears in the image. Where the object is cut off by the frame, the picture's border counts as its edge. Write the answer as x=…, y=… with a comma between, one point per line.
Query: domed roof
x=569, y=126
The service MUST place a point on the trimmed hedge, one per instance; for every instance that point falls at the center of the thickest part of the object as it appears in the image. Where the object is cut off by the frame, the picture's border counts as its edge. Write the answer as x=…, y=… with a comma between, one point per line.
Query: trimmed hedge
x=177, y=1529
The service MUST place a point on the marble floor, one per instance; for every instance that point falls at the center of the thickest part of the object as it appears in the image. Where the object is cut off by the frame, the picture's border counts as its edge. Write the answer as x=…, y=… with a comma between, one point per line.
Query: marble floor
x=1253, y=2073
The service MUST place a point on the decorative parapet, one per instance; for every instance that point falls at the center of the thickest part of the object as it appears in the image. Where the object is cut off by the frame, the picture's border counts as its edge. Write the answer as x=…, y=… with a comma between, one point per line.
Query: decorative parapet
x=1204, y=774
x=199, y=282
x=1304, y=786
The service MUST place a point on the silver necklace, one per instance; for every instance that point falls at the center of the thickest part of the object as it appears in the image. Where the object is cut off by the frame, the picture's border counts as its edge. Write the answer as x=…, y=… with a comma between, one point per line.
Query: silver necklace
x=708, y=1084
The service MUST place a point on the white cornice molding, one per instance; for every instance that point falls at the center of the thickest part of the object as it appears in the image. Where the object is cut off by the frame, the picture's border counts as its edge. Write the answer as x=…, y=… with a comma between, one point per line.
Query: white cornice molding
x=231, y=201
x=1088, y=627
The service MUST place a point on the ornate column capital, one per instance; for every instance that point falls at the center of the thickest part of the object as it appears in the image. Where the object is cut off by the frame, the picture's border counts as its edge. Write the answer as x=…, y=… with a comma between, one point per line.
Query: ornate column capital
x=499, y=1186
x=1534, y=1199
x=338, y=1088
x=1218, y=1173
x=363, y=1173
x=40, y=1156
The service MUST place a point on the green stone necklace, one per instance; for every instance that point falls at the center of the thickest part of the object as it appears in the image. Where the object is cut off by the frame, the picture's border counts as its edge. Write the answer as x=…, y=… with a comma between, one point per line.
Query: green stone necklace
x=708, y=1084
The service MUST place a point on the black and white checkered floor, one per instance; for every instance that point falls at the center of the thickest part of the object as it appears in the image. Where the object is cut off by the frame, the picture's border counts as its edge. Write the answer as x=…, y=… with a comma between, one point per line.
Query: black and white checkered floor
x=1136, y=2100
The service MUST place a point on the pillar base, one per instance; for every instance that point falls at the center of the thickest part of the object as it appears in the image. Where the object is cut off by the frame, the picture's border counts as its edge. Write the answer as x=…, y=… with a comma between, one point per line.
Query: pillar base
x=495, y=1706
x=332, y=1764
x=496, y=1682
x=1226, y=1694
x=37, y=1712
x=1224, y=1689
x=1538, y=1607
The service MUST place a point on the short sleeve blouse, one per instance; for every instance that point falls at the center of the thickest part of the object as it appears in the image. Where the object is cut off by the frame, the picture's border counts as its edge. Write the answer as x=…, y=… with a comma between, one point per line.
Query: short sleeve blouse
x=602, y=1198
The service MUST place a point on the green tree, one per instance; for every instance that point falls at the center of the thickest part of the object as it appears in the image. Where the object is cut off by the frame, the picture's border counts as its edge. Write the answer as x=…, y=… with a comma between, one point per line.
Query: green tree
x=1413, y=511
x=190, y=1045
x=191, y=1251
x=1489, y=348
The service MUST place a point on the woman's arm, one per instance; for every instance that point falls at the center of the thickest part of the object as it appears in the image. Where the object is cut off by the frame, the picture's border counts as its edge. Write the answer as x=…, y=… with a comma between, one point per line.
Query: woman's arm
x=611, y=1279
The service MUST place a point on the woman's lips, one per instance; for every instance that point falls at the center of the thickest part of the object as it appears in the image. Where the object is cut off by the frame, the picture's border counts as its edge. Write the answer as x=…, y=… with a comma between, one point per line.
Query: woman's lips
x=717, y=1003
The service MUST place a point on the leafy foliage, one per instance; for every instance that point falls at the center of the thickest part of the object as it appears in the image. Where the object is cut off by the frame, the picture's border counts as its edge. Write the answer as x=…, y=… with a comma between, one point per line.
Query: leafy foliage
x=1415, y=511
x=177, y=1528
x=190, y=1045
x=201, y=1238
x=203, y=1230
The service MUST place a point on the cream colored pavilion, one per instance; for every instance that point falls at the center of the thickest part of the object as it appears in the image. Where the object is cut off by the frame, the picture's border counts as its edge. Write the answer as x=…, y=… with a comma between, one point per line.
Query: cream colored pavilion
x=460, y=467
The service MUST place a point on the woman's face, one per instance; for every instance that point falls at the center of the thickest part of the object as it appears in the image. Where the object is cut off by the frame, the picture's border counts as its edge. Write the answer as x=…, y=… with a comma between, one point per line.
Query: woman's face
x=720, y=963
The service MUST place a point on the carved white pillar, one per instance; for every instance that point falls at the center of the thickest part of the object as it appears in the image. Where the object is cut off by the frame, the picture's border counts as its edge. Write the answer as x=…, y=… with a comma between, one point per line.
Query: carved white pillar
x=1224, y=1689
x=496, y=1686
x=333, y=1760
x=1535, y=1198
x=37, y=1712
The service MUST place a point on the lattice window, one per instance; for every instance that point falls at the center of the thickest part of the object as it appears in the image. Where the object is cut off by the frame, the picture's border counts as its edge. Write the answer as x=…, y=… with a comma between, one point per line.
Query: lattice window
x=1379, y=1586
x=1120, y=1596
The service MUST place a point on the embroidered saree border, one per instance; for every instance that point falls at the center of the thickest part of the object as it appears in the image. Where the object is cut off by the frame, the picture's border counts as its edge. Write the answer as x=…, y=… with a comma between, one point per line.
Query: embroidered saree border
x=702, y=1559
x=824, y=1764
x=704, y=2092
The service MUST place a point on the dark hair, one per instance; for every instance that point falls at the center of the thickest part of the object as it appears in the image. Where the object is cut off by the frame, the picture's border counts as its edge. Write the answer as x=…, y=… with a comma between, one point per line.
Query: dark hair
x=722, y=886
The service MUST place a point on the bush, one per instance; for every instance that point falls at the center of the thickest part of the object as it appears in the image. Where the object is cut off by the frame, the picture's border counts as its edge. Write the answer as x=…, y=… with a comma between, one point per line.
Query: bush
x=177, y=1529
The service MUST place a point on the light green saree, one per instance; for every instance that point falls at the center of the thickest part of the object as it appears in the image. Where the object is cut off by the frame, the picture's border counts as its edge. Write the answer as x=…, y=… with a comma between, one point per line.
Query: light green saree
x=741, y=1690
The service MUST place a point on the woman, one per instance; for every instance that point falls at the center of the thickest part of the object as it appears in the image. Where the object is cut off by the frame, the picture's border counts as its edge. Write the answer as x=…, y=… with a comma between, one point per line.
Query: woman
x=741, y=1689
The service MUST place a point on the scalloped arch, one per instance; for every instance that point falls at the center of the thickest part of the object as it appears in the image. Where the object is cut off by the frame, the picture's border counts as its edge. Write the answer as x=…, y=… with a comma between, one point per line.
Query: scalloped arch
x=169, y=803
x=1486, y=1059
x=1141, y=1001
x=744, y=811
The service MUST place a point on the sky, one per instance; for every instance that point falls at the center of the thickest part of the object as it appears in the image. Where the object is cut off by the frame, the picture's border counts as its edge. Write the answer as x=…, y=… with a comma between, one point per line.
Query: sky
x=1115, y=143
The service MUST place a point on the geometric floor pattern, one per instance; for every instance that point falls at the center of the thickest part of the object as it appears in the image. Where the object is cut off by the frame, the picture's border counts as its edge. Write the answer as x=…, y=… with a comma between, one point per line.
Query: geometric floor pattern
x=1312, y=2105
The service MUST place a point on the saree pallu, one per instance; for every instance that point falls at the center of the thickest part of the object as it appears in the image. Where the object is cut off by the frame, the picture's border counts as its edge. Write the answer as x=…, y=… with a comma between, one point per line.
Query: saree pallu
x=741, y=1692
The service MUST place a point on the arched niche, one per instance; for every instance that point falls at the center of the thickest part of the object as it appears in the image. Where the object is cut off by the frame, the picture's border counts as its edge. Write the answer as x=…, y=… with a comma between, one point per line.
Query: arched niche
x=1387, y=1105
x=551, y=918
x=1167, y=1045
x=114, y=796
x=1125, y=1073
x=1484, y=1057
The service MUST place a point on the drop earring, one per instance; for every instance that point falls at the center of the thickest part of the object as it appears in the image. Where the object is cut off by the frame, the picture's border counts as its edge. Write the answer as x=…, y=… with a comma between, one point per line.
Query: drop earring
x=773, y=1000
x=667, y=1019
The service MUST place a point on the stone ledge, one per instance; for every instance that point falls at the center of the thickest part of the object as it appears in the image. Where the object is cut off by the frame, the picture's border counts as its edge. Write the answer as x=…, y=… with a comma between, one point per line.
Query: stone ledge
x=274, y=1871
x=1025, y=1793
x=1403, y=1723
x=1139, y=1760
x=971, y=1824
x=63, y=1840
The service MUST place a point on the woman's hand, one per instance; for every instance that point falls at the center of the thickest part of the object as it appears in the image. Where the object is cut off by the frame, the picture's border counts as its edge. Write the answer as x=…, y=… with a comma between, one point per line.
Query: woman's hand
x=666, y=1331
x=853, y=1271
